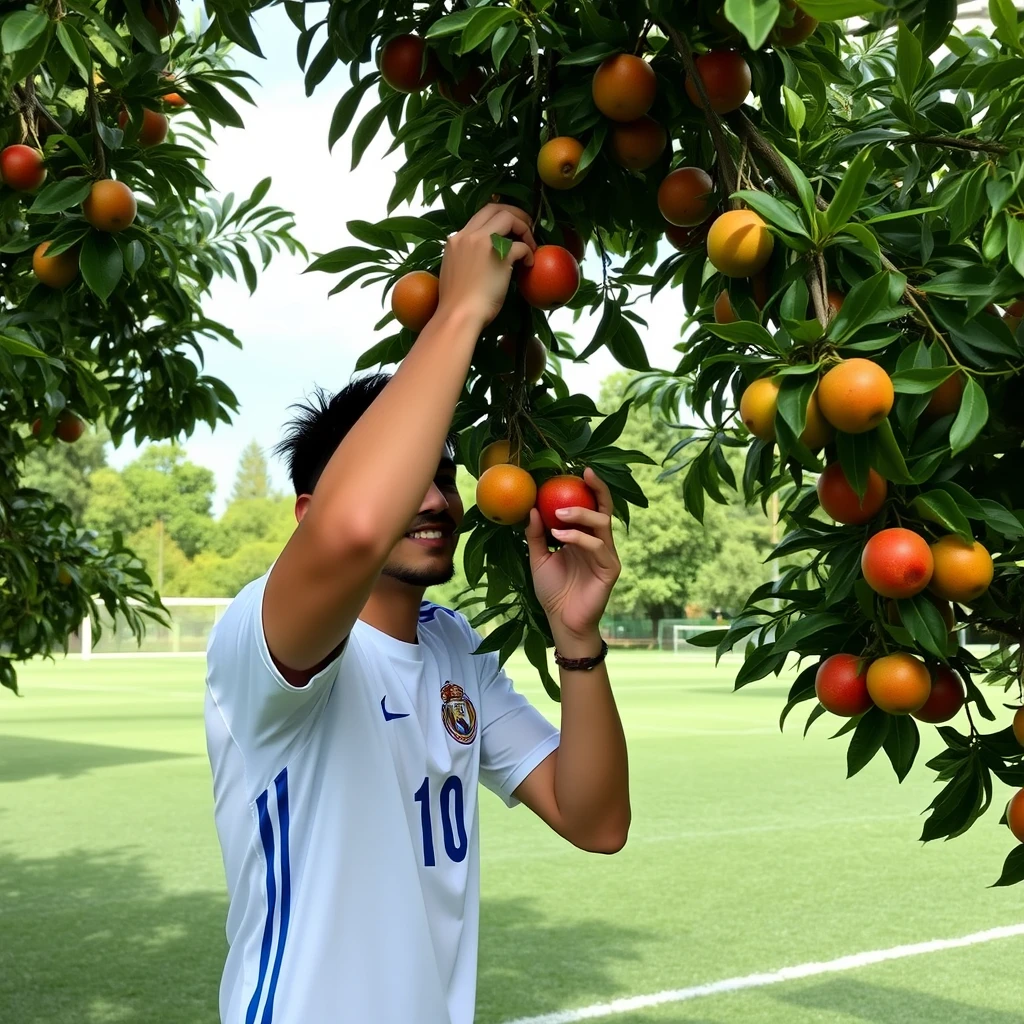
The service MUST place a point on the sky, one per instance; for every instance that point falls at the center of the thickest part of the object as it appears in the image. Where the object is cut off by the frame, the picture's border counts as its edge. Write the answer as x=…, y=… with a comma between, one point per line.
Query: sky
x=295, y=337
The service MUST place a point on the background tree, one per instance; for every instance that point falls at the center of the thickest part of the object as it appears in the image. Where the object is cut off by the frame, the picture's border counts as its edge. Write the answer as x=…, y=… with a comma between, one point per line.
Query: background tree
x=64, y=471
x=253, y=477
x=109, y=240
x=850, y=254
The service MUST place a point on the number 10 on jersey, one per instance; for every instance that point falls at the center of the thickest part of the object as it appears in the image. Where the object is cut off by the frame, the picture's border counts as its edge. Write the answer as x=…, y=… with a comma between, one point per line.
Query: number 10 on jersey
x=453, y=820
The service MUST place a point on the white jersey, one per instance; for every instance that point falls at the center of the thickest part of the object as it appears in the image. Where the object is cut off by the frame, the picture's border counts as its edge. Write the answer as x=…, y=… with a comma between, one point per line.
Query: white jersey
x=347, y=816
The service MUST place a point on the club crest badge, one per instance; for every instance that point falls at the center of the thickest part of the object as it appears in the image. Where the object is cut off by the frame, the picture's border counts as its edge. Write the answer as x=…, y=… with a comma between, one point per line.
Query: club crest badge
x=458, y=713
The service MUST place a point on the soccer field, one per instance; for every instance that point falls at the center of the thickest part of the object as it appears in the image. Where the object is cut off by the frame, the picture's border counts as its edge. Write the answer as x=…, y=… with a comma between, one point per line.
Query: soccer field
x=749, y=852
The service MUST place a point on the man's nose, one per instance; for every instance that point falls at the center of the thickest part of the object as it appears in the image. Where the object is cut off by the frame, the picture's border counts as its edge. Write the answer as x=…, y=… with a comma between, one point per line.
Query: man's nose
x=434, y=501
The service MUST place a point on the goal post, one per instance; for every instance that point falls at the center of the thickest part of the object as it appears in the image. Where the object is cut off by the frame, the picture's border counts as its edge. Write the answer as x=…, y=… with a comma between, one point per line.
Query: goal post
x=682, y=632
x=191, y=620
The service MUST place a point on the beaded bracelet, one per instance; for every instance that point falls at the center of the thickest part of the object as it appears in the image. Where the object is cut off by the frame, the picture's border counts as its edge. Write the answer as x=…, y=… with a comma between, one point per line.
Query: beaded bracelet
x=581, y=664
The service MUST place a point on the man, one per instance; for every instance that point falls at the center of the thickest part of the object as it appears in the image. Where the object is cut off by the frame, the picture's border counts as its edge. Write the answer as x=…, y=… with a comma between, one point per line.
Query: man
x=349, y=723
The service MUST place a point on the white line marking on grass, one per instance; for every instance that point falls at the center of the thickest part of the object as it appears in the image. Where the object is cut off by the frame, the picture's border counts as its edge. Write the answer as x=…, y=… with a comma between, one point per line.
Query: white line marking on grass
x=843, y=963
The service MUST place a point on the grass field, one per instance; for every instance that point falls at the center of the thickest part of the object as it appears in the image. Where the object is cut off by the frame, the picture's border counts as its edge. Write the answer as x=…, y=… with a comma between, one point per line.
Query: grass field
x=749, y=852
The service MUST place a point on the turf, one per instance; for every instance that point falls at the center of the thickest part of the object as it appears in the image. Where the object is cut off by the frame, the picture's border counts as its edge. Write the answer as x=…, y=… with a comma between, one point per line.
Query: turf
x=749, y=851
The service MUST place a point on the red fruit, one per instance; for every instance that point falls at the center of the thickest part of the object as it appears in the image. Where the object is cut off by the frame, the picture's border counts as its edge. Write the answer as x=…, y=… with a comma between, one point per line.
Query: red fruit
x=162, y=15
x=553, y=278
x=1015, y=815
x=839, y=500
x=406, y=64
x=563, y=492
x=573, y=241
x=464, y=90
x=685, y=239
x=945, y=700
x=726, y=78
x=686, y=197
x=37, y=429
x=624, y=87
x=21, y=168
x=69, y=427
x=841, y=685
x=897, y=563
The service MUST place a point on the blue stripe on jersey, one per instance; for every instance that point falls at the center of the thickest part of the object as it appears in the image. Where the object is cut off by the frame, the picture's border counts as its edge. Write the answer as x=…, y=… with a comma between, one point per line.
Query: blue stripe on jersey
x=267, y=835
x=428, y=611
x=281, y=785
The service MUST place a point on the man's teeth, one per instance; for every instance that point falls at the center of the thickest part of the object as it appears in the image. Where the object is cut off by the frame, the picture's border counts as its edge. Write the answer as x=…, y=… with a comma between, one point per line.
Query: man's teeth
x=427, y=535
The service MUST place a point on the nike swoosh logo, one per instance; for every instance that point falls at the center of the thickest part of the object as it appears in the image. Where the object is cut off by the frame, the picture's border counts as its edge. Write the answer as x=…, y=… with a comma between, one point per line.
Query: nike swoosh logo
x=390, y=716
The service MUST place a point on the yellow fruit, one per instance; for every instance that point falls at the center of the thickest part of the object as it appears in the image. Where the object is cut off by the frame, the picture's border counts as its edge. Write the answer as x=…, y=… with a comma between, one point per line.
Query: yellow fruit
x=758, y=405
x=739, y=243
x=557, y=163
x=497, y=453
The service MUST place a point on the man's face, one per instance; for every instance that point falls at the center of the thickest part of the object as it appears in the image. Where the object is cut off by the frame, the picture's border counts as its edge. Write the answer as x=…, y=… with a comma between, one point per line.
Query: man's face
x=425, y=556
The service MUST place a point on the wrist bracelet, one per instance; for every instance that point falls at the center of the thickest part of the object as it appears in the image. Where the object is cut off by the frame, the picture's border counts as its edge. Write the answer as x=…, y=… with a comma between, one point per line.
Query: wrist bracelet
x=581, y=664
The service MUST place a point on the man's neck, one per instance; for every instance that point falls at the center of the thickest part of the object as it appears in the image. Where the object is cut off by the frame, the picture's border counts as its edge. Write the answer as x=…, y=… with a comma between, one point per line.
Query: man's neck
x=393, y=607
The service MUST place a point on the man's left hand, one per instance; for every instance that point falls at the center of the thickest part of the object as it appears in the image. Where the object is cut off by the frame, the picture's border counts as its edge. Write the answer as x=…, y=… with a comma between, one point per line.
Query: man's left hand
x=573, y=584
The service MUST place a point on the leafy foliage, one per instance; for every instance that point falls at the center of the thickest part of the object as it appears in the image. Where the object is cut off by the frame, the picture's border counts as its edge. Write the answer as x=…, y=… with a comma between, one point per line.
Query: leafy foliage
x=122, y=344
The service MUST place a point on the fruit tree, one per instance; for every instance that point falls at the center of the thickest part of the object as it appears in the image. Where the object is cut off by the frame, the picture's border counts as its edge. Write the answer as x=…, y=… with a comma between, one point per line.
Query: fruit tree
x=834, y=191
x=109, y=240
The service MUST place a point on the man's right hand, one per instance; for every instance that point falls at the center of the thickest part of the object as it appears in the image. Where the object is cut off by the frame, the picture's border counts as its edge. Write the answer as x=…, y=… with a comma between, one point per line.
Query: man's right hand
x=474, y=279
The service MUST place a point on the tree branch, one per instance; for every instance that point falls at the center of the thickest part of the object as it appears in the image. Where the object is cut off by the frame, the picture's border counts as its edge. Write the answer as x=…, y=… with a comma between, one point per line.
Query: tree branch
x=951, y=142
x=94, y=120
x=726, y=164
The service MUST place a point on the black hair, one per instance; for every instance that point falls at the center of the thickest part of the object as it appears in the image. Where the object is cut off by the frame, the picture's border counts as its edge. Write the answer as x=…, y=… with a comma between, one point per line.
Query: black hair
x=320, y=425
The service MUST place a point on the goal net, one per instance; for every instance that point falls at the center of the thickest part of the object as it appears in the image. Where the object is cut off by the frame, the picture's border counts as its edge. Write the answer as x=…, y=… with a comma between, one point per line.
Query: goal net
x=191, y=620
x=681, y=634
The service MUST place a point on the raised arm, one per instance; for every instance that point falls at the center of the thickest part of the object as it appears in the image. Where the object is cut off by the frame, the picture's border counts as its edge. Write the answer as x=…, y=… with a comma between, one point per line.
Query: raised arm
x=373, y=485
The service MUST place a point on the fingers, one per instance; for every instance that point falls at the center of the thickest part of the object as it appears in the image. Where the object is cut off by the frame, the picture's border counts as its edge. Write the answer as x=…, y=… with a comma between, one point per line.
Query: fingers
x=599, y=522
x=585, y=542
x=535, y=539
x=601, y=492
x=520, y=251
x=514, y=222
x=485, y=213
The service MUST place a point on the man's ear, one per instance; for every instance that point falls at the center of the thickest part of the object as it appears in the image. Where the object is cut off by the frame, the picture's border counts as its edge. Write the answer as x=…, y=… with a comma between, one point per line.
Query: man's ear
x=302, y=506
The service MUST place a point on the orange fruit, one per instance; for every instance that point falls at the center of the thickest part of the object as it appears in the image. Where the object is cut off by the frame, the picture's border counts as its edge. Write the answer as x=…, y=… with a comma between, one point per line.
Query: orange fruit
x=839, y=500
x=153, y=130
x=414, y=299
x=817, y=431
x=638, y=144
x=724, y=313
x=856, y=395
x=557, y=162
x=536, y=357
x=497, y=453
x=835, y=300
x=1015, y=815
x=945, y=398
x=963, y=571
x=110, y=205
x=406, y=64
x=945, y=609
x=505, y=494
x=739, y=243
x=758, y=406
x=686, y=197
x=55, y=271
x=624, y=87
x=899, y=683
x=1018, y=725
x=726, y=78
x=945, y=699
x=800, y=28
x=897, y=562
x=841, y=685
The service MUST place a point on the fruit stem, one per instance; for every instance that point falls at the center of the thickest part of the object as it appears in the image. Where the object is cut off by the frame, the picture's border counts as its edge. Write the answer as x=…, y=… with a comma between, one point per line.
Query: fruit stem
x=641, y=41
x=726, y=164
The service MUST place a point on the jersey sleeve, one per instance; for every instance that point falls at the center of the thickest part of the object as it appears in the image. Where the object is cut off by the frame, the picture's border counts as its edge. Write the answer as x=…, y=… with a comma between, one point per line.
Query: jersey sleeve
x=265, y=715
x=514, y=736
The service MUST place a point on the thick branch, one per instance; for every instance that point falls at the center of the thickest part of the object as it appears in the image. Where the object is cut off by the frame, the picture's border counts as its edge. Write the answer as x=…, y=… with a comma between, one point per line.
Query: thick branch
x=726, y=164
x=94, y=120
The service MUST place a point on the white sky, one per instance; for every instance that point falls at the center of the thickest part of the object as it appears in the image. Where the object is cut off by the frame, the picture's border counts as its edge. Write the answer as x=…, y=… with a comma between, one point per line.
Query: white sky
x=294, y=337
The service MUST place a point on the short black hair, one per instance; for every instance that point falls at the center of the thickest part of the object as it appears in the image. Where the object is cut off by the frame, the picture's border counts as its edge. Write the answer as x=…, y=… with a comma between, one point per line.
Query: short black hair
x=320, y=425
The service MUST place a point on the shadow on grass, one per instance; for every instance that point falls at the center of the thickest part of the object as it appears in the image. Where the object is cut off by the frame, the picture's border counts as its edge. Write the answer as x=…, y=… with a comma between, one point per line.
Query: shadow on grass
x=96, y=939
x=880, y=1004
x=530, y=964
x=26, y=757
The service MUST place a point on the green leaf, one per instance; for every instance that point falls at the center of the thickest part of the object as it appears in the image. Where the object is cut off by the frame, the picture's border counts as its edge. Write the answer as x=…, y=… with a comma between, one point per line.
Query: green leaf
x=17, y=347
x=866, y=303
x=61, y=195
x=921, y=380
x=850, y=192
x=135, y=256
x=889, y=459
x=803, y=188
x=485, y=22
x=901, y=744
x=21, y=30
x=923, y=621
x=346, y=109
x=855, y=456
x=754, y=18
x=450, y=24
x=1015, y=244
x=502, y=42
x=366, y=130
x=796, y=111
x=101, y=263
x=1013, y=868
x=743, y=331
x=1000, y=519
x=606, y=433
x=940, y=506
x=972, y=416
x=908, y=61
x=499, y=636
x=502, y=245
x=592, y=54
x=774, y=211
x=1003, y=15
x=839, y=10
x=535, y=647
x=867, y=740
x=74, y=46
